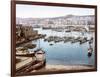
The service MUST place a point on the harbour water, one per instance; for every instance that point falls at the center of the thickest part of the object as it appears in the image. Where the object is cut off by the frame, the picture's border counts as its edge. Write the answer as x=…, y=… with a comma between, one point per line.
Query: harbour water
x=65, y=53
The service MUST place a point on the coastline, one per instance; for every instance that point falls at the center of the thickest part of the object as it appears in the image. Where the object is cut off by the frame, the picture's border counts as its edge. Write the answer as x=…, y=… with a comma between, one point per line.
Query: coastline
x=52, y=68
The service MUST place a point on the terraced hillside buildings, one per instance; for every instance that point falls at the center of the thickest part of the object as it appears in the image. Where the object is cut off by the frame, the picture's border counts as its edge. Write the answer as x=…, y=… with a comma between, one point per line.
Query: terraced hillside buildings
x=58, y=21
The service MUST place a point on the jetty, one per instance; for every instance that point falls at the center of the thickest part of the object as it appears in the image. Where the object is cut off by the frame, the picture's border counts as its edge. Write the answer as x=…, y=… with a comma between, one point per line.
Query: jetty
x=30, y=61
x=34, y=65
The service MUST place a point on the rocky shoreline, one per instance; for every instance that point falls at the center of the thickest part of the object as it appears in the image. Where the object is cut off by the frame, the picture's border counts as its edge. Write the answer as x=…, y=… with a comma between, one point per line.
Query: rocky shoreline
x=18, y=43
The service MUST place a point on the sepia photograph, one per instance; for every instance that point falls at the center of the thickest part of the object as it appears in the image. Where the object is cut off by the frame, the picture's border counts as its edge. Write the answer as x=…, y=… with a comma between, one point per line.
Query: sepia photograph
x=54, y=39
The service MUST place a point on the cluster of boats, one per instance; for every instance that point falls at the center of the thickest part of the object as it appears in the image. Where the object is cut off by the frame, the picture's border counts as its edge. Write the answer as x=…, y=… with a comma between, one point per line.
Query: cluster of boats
x=56, y=39
x=81, y=40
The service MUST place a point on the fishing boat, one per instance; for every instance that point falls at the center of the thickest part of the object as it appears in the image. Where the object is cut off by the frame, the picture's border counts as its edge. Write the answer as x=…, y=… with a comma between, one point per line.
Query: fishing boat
x=84, y=40
x=51, y=44
x=40, y=56
x=90, y=52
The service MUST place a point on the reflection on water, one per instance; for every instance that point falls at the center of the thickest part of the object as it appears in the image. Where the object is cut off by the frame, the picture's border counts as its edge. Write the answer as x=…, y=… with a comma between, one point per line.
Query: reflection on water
x=65, y=53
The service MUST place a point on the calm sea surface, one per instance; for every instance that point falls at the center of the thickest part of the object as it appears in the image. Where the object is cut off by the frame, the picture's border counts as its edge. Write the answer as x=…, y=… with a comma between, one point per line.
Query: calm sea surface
x=65, y=53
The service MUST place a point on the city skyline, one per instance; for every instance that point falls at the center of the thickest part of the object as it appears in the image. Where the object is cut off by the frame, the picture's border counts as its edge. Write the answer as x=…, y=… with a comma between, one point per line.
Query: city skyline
x=37, y=11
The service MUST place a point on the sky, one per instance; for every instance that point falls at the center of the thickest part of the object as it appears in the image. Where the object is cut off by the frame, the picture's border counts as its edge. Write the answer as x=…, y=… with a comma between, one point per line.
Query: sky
x=37, y=11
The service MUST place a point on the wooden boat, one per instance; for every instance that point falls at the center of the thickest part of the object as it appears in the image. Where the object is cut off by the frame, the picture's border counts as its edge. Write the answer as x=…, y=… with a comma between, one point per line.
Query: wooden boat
x=51, y=44
x=90, y=52
x=26, y=55
x=76, y=40
x=84, y=40
x=67, y=31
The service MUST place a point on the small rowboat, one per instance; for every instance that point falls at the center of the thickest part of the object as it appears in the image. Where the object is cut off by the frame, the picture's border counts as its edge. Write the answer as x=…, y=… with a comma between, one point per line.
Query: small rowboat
x=90, y=52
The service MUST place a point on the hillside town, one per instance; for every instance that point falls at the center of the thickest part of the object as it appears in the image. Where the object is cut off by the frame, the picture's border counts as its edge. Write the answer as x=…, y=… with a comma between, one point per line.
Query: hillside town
x=58, y=21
